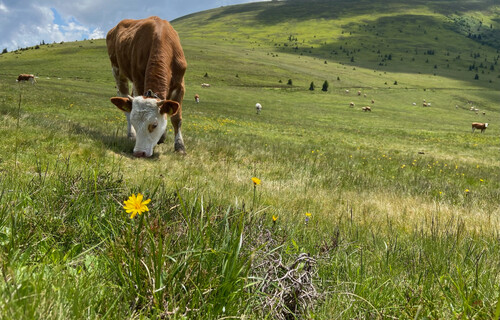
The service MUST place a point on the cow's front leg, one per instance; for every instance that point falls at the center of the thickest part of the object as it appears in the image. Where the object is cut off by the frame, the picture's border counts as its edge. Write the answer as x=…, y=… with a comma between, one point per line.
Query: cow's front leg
x=130, y=128
x=123, y=91
x=178, y=142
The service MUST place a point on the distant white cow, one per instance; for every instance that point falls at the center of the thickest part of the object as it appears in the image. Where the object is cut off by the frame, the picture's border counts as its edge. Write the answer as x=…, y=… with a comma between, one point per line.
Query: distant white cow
x=205, y=85
x=258, y=107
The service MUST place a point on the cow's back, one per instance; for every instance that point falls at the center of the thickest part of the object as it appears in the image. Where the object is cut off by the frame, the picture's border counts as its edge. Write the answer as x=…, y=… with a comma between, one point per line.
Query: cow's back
x=146, y=52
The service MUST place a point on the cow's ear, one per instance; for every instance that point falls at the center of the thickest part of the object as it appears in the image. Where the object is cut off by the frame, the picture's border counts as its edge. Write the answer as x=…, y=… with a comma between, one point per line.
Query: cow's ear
x=169, y=107
x=124, y=104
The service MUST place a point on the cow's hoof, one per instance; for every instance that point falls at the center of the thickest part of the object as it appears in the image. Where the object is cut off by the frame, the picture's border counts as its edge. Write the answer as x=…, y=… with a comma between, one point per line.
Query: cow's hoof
x=180, y=150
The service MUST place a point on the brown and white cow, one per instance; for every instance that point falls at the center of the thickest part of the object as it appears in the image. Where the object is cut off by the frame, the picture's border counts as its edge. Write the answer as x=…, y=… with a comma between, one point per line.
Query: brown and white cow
x=26, y=77
x=479, y=125
x=148, y=52
x=197, y=98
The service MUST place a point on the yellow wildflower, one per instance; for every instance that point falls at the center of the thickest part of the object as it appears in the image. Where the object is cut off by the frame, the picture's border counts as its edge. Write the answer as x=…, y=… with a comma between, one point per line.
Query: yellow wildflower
x=275, y=218
x=256, y=181
x=134, y=205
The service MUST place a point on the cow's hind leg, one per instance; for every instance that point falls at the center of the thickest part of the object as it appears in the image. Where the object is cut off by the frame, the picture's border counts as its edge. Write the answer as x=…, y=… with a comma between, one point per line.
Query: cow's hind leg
x=123, y=91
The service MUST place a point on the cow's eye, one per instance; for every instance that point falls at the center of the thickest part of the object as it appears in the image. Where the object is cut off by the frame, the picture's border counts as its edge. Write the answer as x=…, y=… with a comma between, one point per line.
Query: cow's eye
x=152, y=126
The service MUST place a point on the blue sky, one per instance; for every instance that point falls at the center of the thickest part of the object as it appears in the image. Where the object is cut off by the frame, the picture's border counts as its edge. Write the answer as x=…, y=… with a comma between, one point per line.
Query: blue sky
x=25, y=23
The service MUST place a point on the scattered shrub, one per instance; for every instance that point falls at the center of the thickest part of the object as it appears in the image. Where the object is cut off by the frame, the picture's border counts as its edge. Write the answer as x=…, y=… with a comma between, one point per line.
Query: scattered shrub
x=325, y=86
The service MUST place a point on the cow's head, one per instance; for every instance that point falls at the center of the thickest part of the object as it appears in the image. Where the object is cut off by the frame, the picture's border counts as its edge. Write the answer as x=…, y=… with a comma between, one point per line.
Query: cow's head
x=486, y=125
x=148, y=117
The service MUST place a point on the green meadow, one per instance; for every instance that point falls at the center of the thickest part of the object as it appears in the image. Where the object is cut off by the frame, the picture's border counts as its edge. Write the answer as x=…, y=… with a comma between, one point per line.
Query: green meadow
x=388, y=214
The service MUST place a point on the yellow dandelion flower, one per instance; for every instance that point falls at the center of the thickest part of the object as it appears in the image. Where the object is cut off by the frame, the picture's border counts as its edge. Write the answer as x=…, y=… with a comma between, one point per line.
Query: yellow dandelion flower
x=256, y=181
x=134, y=205
x=275, y=218
x=466, y=190
x=308, y=214
x=481, y=180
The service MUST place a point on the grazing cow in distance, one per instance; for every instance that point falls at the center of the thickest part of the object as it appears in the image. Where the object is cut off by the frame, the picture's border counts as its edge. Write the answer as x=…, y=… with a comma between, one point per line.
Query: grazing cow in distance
x=346, y=91
x=205, y=85
x=367, y=108
x=414, y=103
x=148, y=52
x=359, y=93
x=351, y=104
x=197, y=98
x=479, y=125
x=258, y=107
x=26, y=77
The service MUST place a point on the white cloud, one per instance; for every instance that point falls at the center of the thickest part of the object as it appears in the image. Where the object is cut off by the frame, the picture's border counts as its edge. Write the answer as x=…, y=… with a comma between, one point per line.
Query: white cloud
x=28, y=22
x=3, y=8
x=97, y=34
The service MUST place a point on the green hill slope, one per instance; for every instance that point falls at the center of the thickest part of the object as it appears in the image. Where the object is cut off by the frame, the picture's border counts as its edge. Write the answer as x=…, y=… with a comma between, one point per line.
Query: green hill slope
x=427, y=37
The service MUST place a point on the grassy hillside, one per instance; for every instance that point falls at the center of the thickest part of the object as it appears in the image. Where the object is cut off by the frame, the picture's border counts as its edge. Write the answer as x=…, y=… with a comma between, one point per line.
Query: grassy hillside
x=403, y=202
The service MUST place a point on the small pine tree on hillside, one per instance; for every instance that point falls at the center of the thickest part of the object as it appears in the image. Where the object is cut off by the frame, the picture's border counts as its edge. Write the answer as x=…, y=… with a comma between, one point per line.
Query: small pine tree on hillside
x=325, y=86
x=290, y=82
x=311, y=87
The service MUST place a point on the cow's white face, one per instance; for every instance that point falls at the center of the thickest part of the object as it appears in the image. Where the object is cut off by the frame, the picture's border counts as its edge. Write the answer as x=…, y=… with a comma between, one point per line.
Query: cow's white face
x=486, y=125
x=148, y=117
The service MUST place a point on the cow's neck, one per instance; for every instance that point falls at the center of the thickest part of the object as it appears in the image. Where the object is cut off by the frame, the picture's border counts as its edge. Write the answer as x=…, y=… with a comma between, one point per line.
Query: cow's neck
x=157, y=79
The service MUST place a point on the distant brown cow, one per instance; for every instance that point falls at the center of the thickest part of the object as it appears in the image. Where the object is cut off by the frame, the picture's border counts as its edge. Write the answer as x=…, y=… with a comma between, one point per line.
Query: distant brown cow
x=478, y=125
x=148, y=52
x=197, y=98
x=26, y=77
x=367, y=108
